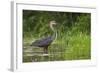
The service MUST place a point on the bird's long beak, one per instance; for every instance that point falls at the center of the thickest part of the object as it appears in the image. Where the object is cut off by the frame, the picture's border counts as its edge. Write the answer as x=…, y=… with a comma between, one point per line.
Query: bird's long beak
x=55, y=23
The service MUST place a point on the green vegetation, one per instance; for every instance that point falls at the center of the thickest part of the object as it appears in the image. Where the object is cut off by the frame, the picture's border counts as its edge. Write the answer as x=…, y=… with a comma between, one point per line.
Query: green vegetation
x=74, y=34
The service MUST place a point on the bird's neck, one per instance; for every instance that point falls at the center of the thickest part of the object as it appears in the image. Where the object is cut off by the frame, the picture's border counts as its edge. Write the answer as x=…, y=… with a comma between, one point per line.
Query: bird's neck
x=54, y=37
x=52, y=28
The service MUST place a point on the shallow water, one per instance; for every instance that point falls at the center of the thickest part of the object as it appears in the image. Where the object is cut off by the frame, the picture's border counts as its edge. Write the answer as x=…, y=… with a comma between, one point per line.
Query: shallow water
x=36, y=54
x=56, y=52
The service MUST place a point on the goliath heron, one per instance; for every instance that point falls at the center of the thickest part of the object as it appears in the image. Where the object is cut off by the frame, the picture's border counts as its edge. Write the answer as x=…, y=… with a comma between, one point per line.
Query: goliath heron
x=45, y=42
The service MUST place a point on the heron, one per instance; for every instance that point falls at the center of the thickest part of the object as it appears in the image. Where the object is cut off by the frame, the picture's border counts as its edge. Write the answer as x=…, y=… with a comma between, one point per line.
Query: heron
x=46, y=42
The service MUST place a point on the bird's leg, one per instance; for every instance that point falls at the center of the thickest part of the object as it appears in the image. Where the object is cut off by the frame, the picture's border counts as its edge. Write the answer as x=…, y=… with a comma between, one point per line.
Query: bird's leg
x=46, y=50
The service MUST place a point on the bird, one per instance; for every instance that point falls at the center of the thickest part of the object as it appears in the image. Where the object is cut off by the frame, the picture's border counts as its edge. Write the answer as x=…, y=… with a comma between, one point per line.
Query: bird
x=46, y=42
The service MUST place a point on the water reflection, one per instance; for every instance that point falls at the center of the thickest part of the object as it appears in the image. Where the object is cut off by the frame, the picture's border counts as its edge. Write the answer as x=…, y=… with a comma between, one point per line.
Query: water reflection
x=34, y=54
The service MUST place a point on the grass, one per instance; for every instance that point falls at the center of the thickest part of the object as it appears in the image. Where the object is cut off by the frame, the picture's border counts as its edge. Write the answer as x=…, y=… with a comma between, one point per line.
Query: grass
x=73, y=41
x=78, y=48
x=75, y=47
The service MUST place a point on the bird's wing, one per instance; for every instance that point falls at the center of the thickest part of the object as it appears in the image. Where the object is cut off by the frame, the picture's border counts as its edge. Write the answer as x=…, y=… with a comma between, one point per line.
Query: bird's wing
x=43, y=42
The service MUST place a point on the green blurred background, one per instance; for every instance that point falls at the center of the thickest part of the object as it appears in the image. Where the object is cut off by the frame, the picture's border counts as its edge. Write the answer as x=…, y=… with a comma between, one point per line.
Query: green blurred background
x=74, y=35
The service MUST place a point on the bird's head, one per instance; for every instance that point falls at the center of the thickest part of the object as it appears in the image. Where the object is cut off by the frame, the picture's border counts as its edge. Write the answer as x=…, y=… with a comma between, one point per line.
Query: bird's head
x=52, y=24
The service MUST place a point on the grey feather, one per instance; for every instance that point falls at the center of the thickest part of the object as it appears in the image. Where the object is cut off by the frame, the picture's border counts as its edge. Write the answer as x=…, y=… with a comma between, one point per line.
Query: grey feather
x=43, y=42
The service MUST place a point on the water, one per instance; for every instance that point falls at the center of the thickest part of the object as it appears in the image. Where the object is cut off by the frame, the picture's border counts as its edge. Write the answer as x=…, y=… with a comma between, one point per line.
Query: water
x=35, y=54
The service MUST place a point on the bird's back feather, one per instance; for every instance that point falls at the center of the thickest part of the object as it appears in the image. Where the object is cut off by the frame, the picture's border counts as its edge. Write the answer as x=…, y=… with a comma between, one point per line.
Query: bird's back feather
x=43, y=42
